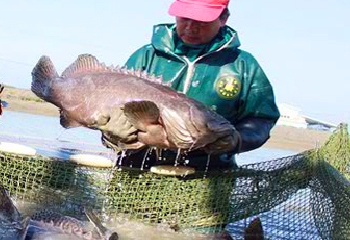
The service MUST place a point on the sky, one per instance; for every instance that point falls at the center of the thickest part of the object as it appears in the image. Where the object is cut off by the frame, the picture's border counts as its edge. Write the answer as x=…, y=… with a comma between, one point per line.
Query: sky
x=303, y=46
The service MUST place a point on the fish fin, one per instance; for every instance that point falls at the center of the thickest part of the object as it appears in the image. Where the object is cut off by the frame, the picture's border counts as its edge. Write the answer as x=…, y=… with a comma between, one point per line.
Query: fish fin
x=95, y=221
x=180, y=133
x=24, y=223
x=89, y=63
x=85, y=63
x=66, y=122
x=254, y=231
x=141, y=113
x=42, y=75
x=6, y=204
x=143, y=74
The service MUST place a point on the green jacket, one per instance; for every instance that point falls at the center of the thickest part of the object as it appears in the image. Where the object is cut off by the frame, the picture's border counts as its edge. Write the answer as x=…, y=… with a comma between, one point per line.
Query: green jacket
x=222, y=76
x=218, y=74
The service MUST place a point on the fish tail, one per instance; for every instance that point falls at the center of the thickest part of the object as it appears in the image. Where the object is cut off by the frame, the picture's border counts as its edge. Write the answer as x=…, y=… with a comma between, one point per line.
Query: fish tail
x=42, y=75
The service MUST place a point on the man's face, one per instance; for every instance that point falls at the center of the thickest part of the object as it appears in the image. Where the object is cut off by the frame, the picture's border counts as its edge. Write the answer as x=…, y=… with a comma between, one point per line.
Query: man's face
x=196, y=32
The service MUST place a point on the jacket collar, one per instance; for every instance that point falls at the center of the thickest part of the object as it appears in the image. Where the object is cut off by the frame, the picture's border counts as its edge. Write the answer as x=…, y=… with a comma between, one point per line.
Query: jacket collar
x=164, y=39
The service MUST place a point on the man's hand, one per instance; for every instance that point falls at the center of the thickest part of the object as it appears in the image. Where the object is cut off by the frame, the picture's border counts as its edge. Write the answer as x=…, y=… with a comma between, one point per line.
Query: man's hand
x=156, y=136
x=231, y=143
x=119, y=126
x=118, y=131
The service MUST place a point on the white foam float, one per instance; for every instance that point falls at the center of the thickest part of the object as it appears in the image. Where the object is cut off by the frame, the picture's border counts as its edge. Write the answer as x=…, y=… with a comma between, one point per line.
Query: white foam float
x=91, y=160
x=17, y=148
x=170, y=170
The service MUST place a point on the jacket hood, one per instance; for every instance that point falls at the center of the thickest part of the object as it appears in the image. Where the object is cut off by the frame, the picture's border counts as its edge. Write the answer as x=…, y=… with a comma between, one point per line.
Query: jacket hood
x=163, y=38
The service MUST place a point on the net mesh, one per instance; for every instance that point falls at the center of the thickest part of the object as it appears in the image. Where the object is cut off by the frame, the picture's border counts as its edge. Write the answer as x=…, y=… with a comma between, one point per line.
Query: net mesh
x=304, y=196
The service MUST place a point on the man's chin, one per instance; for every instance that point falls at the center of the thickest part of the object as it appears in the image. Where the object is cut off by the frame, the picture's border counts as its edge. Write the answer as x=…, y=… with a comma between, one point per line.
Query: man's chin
x=191, y=40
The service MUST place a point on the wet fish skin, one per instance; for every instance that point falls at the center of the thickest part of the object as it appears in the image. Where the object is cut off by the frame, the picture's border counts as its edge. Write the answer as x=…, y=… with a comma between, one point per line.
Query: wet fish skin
x=48, y=222
x=88, y=92
x=12, y=225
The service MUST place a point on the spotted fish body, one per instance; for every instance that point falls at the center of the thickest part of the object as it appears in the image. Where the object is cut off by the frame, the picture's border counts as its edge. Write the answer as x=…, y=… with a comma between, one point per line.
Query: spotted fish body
x=50, y=222
x=15, y=227
x=88, y=92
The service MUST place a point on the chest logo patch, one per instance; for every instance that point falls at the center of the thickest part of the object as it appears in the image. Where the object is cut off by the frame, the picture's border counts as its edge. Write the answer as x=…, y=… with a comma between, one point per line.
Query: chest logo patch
x=228, y=87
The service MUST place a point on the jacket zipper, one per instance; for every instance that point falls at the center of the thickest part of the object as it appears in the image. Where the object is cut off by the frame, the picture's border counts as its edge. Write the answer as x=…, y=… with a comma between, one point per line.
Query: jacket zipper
x=189, y=73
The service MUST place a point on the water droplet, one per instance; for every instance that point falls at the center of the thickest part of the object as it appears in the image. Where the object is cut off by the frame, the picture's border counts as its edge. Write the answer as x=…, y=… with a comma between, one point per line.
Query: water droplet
x=207, y=167
x=195, y=83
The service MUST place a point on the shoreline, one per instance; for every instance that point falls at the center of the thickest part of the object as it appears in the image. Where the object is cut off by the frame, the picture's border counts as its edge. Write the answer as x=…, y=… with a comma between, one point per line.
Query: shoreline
x=296, y=139
x=281, y=137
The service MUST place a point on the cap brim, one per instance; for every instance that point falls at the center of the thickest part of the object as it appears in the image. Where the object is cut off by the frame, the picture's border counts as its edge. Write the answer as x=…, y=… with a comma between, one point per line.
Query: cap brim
x=195, y=12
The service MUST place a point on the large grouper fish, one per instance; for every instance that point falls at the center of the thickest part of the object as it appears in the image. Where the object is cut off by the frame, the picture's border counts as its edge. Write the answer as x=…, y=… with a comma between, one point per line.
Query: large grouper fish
x=45, y=224
x=90, y=94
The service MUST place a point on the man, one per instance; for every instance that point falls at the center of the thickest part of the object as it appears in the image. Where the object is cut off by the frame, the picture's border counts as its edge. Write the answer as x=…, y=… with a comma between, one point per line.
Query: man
x=200, y=56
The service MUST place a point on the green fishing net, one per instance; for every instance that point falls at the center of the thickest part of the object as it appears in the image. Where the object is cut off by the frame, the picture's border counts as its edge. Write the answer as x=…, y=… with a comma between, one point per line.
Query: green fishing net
x=304, y=196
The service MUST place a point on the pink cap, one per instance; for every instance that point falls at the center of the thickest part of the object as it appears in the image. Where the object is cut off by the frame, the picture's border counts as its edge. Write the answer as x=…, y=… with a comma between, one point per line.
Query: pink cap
x=200, y=10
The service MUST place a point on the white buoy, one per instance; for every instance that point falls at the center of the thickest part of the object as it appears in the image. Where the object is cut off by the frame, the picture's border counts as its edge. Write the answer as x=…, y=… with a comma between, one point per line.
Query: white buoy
x=170, y=170
x=91, y=160
x=16, y=148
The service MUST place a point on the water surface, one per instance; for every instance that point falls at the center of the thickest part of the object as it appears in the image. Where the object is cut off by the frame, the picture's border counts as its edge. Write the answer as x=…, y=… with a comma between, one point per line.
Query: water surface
x=48, y=137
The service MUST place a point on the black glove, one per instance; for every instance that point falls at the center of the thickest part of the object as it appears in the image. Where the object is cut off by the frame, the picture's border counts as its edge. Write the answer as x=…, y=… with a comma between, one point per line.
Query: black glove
x=119, y=126
x=250, y=134
x=254, y=132
x=230, y=143
x=117, y=132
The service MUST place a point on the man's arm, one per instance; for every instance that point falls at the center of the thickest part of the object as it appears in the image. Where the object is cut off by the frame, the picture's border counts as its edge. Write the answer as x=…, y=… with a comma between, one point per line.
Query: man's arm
x=259, y=111
x=250, y=134
x=254, y=132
